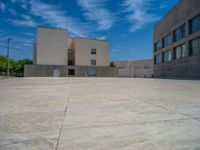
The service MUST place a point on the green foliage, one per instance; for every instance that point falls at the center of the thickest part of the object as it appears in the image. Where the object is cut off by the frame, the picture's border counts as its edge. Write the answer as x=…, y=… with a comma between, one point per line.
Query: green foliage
x=16, y=66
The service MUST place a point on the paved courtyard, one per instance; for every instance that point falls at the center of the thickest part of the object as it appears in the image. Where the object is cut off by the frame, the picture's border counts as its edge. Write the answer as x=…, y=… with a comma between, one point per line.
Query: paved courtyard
x=99, y=114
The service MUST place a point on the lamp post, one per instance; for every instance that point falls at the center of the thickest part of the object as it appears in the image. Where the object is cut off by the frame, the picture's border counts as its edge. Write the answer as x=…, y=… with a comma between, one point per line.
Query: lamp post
x=8, y=57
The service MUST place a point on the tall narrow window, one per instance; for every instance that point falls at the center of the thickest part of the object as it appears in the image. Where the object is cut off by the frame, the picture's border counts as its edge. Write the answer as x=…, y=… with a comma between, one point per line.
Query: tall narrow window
x=167, y=56
x=166, y=41
x=195, y=46
x=195, y=24
x=157, y=59
x=180, y=33
x=180, y=51
x=157, y=46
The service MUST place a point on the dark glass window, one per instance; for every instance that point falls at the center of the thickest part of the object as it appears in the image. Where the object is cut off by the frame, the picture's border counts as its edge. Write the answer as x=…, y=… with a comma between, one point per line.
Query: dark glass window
x=93, y=51
x=71, y=72
x=180, y=52
x=91, y=72
x=166, y=41
x=157, y=46
x=70, y=52
x=167, y=56
x=70, y=62
x=195, y=24
x=195, y=46
x=93, y=62
x=180, y=33
x=158, y=59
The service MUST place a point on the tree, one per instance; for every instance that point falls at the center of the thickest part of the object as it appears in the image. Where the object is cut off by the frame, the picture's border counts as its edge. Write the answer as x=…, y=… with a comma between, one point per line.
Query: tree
x=16, y=66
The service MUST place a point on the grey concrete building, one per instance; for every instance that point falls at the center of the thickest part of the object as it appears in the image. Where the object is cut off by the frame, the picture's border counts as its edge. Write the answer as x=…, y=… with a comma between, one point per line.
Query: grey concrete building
x=57, y=54
x=135, y=69
x=177, y=42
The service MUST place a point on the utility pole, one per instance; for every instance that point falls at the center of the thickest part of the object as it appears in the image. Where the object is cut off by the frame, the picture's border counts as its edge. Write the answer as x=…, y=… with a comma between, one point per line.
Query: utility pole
x=8, y=57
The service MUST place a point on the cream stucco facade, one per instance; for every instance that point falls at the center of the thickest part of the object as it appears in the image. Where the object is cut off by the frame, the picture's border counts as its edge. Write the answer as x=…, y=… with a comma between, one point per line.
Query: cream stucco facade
x=57, y=54
x=53, y=44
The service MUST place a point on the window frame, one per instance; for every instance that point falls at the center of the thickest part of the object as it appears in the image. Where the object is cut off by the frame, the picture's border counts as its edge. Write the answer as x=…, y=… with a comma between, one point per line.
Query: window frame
x=190, y=24
x=198, y=46
x=170, y=56
x=183, y=33
x=156, y=48
x=93, y=60
x=93, y=52
x=169, y=41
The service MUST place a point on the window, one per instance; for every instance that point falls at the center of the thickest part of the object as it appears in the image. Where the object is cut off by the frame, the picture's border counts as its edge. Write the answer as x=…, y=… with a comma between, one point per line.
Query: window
x=70, y=62
x=195, y=46
x=180, y=33
x=158, y=59
x=70, y=57
x=91, y=72
x=166, y=41
x=167, y=56
x=93, y=51
x=157, y=46
x=195, y=24
x=93, y=62
x=180, y=51
x=71, y=72
x=70, y=52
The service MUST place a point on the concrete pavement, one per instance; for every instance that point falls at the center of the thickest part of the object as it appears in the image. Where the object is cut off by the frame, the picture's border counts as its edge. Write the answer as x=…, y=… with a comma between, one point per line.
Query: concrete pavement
x=99, y=113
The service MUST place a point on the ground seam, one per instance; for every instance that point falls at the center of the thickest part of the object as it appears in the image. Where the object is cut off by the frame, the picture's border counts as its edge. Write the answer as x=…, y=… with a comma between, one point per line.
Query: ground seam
x=186, y=115
x=62, y=121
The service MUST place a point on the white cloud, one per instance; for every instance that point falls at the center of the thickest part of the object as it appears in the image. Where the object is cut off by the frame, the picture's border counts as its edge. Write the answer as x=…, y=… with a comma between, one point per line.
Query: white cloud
x=95, y=10
x=102, y=38
x=27, y=22
x=2, y=7
x=138, y=13
x=56, y=17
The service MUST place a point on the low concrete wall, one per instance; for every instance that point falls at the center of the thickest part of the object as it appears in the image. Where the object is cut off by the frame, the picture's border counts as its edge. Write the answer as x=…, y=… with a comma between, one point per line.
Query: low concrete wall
x=44, y=70
x=137, y=69
x=188, y=67
x=49, y=71
x=100, y=71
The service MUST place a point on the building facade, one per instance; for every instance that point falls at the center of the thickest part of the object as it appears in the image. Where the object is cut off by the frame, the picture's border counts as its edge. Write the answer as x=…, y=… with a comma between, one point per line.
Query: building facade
x=56, y=54
x=177, y=42
x=135, y=69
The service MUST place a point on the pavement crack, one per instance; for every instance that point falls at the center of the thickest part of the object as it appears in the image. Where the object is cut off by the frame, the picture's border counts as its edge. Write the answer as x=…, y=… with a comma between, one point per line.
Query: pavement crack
x=65, y=112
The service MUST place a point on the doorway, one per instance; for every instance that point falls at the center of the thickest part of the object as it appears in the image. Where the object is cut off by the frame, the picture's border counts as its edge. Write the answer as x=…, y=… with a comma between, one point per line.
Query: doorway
x=56, y=73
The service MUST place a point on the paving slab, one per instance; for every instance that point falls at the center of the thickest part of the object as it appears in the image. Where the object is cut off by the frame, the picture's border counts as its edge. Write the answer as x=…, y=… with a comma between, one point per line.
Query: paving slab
x=99, y=113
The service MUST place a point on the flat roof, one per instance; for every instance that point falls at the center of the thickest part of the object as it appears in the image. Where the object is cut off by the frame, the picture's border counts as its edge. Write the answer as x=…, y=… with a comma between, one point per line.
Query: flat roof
x=91, y=39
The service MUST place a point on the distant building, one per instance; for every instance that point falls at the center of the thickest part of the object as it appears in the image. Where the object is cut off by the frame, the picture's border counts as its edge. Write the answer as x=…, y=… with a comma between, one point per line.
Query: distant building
x=177, y=42
x=135, y=69
x=56, y=54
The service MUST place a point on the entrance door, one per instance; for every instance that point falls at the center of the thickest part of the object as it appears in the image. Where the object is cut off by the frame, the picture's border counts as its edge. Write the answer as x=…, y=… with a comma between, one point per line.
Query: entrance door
x=56, y=73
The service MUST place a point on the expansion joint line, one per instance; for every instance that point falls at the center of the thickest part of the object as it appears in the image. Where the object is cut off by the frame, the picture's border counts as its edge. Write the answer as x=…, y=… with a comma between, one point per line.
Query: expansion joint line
x=169, y=109
x=65, y=112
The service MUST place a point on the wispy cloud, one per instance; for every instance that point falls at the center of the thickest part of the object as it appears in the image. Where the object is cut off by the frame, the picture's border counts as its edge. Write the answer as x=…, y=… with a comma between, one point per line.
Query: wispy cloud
x=95, y=10
x=28, y=23
x=138, y=13
x=2, y=6
x=102, y=38
x=56, y=16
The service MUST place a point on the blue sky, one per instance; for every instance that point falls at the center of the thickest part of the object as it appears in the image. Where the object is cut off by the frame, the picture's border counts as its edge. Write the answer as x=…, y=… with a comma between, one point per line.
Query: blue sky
x=127, y=24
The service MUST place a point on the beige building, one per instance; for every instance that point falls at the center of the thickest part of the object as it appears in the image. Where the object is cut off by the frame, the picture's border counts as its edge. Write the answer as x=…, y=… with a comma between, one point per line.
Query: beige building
x=57, y=54
x=135, y=69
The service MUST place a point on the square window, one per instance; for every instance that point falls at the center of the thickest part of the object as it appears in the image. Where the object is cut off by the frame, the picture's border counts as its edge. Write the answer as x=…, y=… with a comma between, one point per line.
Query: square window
x=93, y=51
x=93, y=62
